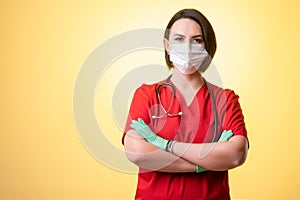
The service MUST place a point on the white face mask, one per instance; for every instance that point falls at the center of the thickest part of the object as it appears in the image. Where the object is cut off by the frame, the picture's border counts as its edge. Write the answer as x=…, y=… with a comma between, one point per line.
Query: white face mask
x=187, y=57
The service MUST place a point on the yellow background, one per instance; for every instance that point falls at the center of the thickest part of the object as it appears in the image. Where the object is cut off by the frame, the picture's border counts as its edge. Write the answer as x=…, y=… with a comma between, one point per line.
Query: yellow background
x=44, y=43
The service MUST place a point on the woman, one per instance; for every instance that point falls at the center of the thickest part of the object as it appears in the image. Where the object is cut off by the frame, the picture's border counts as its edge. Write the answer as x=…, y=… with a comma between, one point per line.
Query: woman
x=181, y=154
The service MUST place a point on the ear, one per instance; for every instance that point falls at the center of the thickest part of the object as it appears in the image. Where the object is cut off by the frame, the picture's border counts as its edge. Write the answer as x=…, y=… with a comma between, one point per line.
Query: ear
x=166, y=45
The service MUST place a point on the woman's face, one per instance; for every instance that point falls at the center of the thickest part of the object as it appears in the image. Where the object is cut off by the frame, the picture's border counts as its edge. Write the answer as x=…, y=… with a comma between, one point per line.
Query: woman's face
x=185, y=31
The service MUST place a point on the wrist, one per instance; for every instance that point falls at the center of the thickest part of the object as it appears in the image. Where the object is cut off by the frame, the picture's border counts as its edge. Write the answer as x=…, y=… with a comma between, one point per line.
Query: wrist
x=159, y=142
x=170, y=146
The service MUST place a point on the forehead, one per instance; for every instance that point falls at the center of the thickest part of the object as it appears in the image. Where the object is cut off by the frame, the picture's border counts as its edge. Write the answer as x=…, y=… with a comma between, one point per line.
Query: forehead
x=187, y=27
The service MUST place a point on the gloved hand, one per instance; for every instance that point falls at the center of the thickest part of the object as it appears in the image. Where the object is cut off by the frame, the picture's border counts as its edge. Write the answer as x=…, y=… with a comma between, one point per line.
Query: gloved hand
x=143, y=129
x=225, y=136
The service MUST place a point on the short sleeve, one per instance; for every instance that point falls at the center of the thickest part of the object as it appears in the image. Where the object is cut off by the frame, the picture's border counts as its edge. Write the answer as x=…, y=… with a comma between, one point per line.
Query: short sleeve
x=139, y=108
x=234, y=118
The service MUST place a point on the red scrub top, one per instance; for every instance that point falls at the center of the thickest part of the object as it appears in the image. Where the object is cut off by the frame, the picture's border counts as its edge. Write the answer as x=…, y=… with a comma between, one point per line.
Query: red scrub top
x=196, y=125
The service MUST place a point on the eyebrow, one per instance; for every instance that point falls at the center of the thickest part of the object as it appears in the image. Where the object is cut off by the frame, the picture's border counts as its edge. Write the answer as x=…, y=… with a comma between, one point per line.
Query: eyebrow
x=195, y=36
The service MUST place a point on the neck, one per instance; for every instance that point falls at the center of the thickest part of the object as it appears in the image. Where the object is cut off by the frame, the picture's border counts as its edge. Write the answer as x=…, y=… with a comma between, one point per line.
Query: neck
x=193, y=81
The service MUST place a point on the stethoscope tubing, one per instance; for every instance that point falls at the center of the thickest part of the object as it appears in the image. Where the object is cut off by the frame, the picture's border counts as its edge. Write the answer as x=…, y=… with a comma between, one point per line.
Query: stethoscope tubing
x=166, y=112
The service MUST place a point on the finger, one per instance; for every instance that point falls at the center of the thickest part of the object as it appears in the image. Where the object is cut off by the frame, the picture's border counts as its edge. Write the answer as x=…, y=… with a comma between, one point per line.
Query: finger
x=138, y=124
x=139, y=131
x=141, y=121
x=229, y=132
x=228, y=135
x=223, y=134
x=133, y=126
x=134, y=122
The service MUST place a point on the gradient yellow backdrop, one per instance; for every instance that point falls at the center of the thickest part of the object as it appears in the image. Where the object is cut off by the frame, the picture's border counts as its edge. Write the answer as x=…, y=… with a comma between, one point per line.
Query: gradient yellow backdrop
x=44, y=43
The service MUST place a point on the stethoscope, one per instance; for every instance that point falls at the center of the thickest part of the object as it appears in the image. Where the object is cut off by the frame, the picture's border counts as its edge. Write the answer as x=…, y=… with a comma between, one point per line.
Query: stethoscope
x=166, y=112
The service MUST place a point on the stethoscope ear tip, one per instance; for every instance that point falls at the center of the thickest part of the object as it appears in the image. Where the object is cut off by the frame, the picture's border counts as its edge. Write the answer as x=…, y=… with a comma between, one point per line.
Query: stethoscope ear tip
x=180, y=113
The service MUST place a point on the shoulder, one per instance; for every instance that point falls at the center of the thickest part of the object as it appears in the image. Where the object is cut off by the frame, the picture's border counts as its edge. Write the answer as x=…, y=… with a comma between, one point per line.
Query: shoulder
x=231, y=95
x=148, y=88
x=223, y=94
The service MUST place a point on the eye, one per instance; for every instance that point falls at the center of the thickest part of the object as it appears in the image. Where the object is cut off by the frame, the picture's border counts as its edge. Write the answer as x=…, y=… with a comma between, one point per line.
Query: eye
x=179, y=39
x=198, y=40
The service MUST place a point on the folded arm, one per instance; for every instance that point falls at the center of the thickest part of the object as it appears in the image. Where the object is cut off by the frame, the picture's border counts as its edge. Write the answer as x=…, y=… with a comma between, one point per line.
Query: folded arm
x=214, y=156
x=148, y=156
x=227, y=153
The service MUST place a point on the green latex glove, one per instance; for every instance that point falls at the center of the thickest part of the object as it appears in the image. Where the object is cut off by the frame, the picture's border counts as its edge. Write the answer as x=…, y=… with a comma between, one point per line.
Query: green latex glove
x=143, y=129
x=200, y=169
x=225, y=136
